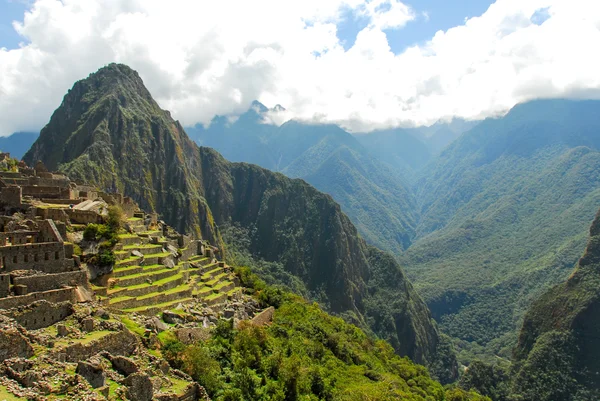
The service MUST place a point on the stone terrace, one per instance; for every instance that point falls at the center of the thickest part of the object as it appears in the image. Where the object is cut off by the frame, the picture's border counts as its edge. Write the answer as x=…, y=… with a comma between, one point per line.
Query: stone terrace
x=154, y=273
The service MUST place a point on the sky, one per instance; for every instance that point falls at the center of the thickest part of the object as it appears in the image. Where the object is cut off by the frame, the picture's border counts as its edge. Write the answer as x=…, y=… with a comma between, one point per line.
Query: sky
x=362, y=64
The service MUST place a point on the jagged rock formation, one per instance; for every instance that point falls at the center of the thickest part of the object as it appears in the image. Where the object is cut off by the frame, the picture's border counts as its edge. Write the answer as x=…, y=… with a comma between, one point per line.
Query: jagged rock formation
x=558, y=353
x=110, y=132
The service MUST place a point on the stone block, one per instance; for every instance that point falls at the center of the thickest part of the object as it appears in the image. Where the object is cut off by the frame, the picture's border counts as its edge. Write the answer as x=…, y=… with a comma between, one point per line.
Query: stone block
x=87, y=324
x=139, y=387
x=92, y=372
x=20, y=289
x=124, y=365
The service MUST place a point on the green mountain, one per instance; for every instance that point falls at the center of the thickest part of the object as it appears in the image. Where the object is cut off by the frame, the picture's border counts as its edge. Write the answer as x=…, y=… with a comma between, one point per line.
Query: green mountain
x=372, y=193
x=18, y=143
x=403, y=150
x=503, y=216
x=110, y=132
x=558, y=354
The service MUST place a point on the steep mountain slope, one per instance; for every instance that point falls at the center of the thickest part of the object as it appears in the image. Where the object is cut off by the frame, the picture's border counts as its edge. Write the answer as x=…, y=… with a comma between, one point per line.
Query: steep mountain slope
x=558, y=354
x=110, y=132
x=18, y=143
x=375, y=197
x=503, y=215
x=401, y=149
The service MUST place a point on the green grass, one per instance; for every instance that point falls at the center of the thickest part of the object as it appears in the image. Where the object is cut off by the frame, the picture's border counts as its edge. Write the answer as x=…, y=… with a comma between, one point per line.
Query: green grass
x=128, y=236
x=221, y=285
x=159, y=306
x=119, y=299
x=144, y=246
x=133, y=326
x=159, y=255
x=6, y=396
x=129, y=259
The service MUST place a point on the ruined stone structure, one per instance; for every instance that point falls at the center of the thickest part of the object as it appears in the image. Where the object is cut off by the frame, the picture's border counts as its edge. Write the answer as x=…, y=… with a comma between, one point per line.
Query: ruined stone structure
x=36, y=264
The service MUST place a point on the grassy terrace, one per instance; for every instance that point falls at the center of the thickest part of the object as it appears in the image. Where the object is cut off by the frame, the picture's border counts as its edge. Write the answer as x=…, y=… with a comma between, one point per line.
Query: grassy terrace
x=128, y=236
x=145, y=246
x=164, y=305
x=149, y=274
x=128, y=260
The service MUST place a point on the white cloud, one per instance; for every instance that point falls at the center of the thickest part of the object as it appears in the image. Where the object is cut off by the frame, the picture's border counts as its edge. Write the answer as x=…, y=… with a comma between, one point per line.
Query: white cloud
x=201, y=58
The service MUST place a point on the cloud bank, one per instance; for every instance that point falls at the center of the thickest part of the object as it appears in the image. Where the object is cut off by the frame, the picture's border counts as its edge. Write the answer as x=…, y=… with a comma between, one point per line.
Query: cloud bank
x=201, y=58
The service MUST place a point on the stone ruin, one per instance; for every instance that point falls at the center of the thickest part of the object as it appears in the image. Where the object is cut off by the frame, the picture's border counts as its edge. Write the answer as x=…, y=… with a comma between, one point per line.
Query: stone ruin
x=161, y=280
x=37, y=264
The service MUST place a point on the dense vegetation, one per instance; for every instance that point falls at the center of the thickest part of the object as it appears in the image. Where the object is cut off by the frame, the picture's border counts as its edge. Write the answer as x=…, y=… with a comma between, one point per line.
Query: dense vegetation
x=504, y=216
x=305, y=354
x=110, y=132
x=106, y=235
x=388, y=313
x=558, y=354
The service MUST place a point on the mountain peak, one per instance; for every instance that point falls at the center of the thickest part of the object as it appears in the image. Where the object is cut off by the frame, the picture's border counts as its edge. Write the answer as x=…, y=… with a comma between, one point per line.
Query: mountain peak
x=258, y=107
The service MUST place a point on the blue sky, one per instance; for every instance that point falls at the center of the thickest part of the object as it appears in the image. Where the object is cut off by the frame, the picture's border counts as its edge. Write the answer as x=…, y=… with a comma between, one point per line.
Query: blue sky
x=441, y=15
x=10, y=10
x=433, y=15
x=214, y=57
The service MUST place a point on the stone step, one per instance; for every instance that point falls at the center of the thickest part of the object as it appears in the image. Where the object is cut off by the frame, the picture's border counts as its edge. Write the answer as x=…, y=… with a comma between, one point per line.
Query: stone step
x=216, y=280
x=212, y=274
x=223, y=286
x=147, y=249
x=132, y=261
x=156, y=258
x=131, y=270
x=130, y=239
x=215, y=299
x=163, y=285
x=155, y=309
x=202, y=291
x=154, y=298
x=200, y=260
x=143, y=277
x=234, y=293
x=122, y=255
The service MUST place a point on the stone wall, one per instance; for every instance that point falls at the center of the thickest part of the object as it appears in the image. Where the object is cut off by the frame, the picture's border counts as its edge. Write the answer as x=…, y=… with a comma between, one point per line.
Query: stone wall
x=51, y=192
x=193, y=392
x=4, y=285
x=18, y=238
x=122, y=343
x=40, y=314
x=47, y=257
x=57, y=214
x=60, y=295
x=84, y=216
x=11, y=196
x=264, y=317
x=62, y=201
x=47, y=282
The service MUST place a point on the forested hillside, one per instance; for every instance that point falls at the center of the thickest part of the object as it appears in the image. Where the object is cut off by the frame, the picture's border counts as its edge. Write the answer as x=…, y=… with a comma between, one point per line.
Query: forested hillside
x=504, y=212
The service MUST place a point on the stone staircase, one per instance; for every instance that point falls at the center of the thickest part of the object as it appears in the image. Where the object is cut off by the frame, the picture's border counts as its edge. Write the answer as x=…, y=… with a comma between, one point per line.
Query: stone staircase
x=150, y=276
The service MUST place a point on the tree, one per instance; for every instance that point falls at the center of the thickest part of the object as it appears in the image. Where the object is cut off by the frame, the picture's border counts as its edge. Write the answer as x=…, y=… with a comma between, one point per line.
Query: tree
x=115, y=218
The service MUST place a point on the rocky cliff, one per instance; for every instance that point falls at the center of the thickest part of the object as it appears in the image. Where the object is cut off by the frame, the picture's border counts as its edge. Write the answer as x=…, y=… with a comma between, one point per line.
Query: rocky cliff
x=110, y=132
x=558, y=354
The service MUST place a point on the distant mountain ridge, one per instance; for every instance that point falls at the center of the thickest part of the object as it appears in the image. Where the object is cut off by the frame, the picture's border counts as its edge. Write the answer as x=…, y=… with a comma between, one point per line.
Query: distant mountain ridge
x=18, y=143
x=375, y=196
x=110, y=132
x=505, y=210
